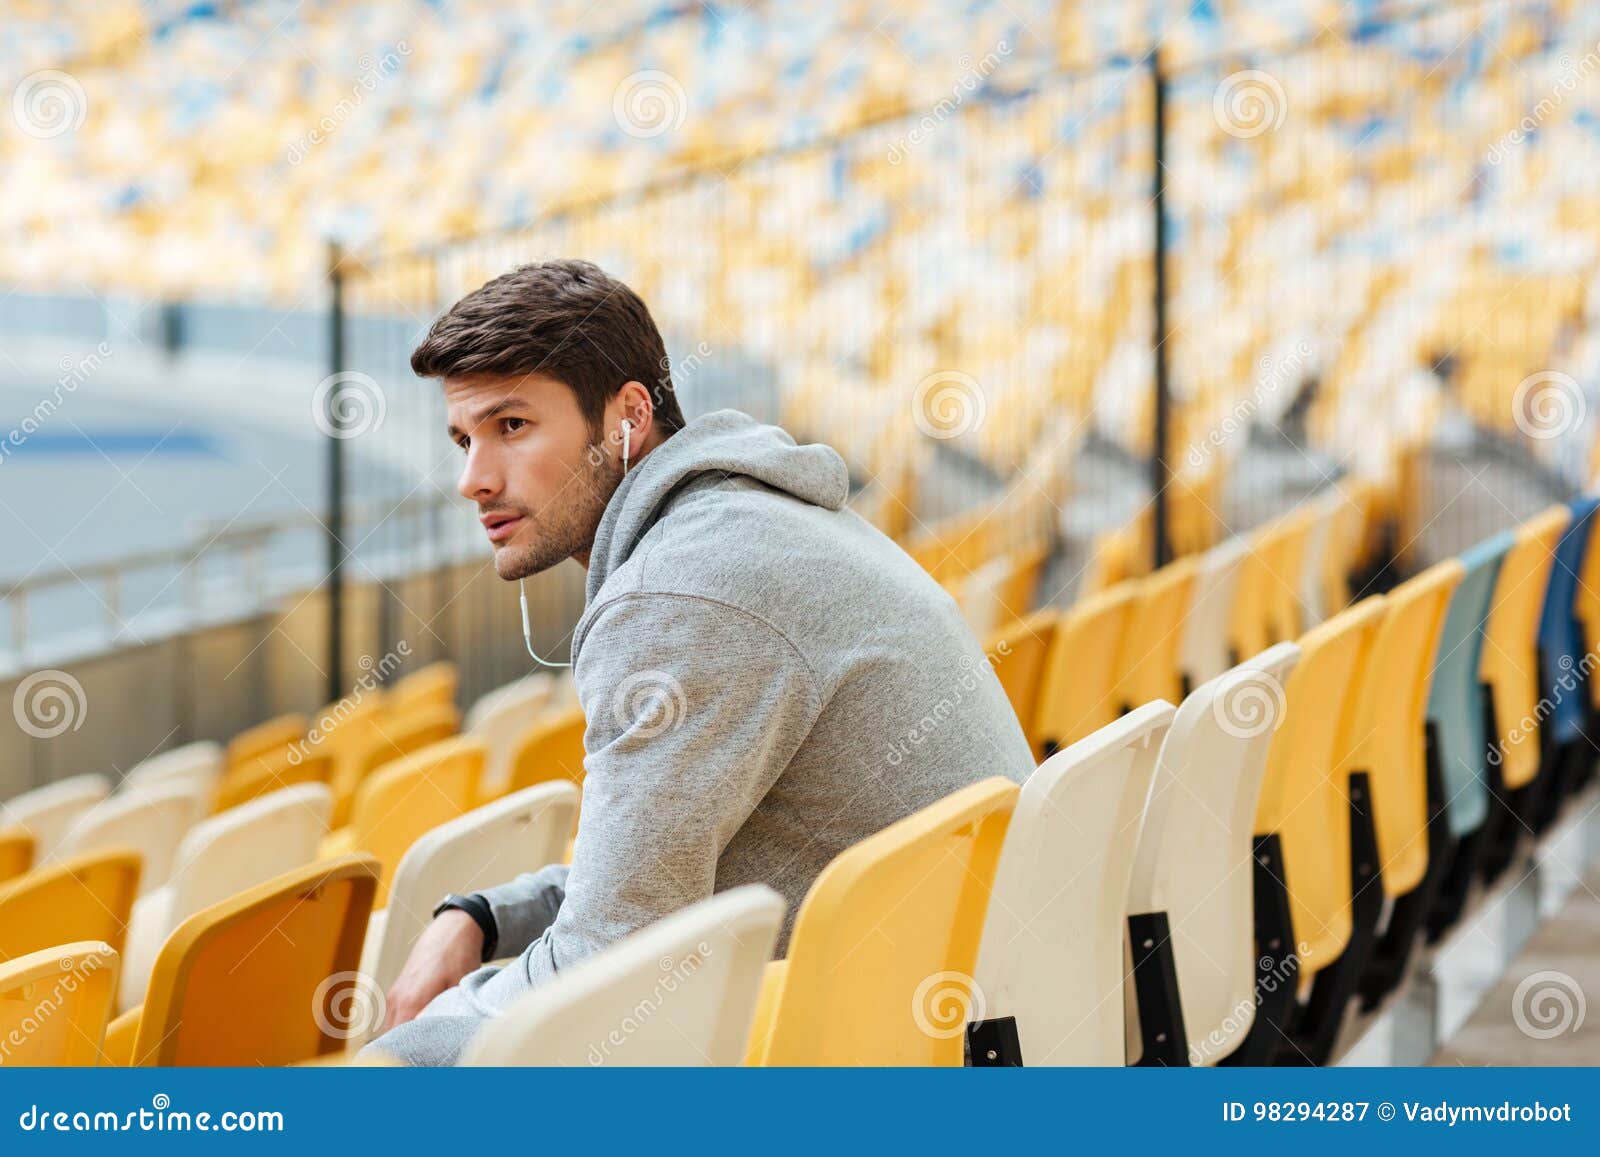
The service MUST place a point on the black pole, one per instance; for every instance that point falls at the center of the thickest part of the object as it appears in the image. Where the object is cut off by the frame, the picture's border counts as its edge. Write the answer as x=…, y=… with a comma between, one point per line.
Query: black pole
x=335, y=517
x=1160, y=475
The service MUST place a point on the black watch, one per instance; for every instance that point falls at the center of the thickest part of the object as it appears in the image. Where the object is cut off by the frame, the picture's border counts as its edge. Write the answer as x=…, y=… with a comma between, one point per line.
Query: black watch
x=482, y=915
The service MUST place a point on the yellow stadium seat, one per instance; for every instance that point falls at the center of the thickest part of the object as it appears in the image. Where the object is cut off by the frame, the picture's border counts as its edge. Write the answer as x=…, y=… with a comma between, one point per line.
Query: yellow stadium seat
x=886, y=939
x=266, y=773
x=1266, y=601
x=87, y=897
x=1303, y=820
x=1149, y=663
x=16, y=852
x=1018, y=655
x=55, y=1004
x=264, y=739
x=431, y=686
x=1078, y=688
x=549, y=750
x=390, y=737
x=1509, y=664
x=405, y=799
x=262, y=979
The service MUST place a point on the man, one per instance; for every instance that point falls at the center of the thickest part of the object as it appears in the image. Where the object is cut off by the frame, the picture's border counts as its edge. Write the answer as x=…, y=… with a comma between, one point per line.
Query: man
x=766, y=678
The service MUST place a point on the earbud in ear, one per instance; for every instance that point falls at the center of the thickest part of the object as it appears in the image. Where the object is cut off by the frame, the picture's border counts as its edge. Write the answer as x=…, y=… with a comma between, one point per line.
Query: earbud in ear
x=627, y=431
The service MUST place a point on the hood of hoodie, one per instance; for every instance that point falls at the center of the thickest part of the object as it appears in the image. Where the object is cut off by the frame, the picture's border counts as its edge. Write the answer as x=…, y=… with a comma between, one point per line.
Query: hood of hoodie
x=724, y=443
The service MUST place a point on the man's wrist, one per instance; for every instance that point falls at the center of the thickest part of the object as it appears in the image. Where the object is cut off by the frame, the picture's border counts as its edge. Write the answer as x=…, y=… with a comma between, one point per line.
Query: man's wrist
x=476, y=908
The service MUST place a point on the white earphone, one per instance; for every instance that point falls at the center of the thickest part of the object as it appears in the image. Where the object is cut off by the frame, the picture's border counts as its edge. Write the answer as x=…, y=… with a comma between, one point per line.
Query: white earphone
x=522, y=594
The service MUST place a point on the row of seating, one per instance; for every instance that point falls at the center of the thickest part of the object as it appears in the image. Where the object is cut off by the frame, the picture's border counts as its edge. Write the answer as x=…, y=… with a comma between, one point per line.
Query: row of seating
x=1265, y=852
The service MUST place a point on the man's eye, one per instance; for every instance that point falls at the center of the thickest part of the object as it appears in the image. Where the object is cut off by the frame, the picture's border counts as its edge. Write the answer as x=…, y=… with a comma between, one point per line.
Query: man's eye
x=464, y=443
x=512, y=425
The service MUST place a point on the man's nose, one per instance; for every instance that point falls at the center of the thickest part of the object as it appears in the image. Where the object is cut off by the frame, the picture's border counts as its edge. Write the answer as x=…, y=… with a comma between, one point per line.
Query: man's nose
x=480, y=478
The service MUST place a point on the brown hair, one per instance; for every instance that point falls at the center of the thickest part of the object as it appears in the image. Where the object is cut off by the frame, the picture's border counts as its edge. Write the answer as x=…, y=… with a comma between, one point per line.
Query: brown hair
x=567, y=319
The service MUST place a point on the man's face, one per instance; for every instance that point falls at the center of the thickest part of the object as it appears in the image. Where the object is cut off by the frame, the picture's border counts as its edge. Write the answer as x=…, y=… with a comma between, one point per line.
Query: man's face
x=532, y=466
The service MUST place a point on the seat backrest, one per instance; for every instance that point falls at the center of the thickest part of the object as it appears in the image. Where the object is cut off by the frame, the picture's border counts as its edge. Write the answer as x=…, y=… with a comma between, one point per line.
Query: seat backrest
x=1051, y=953
x=264, y=738
x=550, y=749
x=1510, y=659
x=1149, y=662
x=264, y=978
x=265, y=774
x=1078, y=689
x=520, y=832
x=47, y=812
x=87, y=897
x=1300, y=797
x=1455, y=701
x=1586, y=606
x=1195, y=848
x=246, y=845
x=430, y=686
x=55, y=1003
x=681, y=992
x=1388, y=738
x=152, y=821
x=16, y=852
x=499, y=719
x=413, y=795
x=1017, y=655
x=885, y=944
x=1322, y=540
x=1266, y=600
x=1205, y=645
x=198, y=763
x=380, y=741
x=1562, y=645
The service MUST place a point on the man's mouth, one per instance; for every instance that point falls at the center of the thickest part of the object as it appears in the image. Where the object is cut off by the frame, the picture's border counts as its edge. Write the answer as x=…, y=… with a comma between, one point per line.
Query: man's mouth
x=501, y=526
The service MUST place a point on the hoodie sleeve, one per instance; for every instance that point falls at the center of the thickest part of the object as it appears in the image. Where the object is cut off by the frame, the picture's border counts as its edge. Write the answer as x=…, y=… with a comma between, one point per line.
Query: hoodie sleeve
x=694, y=709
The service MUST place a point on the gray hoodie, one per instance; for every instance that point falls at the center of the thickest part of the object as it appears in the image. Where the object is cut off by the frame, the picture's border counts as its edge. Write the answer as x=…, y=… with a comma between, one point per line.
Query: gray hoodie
x=767, y=680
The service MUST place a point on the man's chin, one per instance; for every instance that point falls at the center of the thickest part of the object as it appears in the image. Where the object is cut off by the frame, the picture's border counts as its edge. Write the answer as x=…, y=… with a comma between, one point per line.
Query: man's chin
x=511, y=564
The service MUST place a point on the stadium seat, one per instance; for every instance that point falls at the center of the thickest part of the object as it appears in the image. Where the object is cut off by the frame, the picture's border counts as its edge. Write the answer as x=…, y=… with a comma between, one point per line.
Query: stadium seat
x=1302, y=874
x=405, y=798
x=198, y=764
x=87, y=897
x=47, y=812
x=1509, y=668
x=1190, y=922
x=220, y=857
x=430, y=686
x=1078, y=689
x=550, y=749
x=1389, y=758
x=16, y=852
x=1456, y=709
x=499, y=719
x=1266, y=601
x=521, y=832
x=1017, y=656
x=1149, y=659
x=151, y=821
x=1567, y=673
x=1205, y=649
x=1050, y=964
x=881, y=959
x=266, y=774
x=260, y=979
x=266, y=738
x=679, y=993
x=55, y=1004
x=394, y=735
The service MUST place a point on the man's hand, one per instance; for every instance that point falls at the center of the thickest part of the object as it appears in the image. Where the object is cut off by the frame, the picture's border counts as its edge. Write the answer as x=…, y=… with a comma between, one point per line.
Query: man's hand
x=449, y=948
